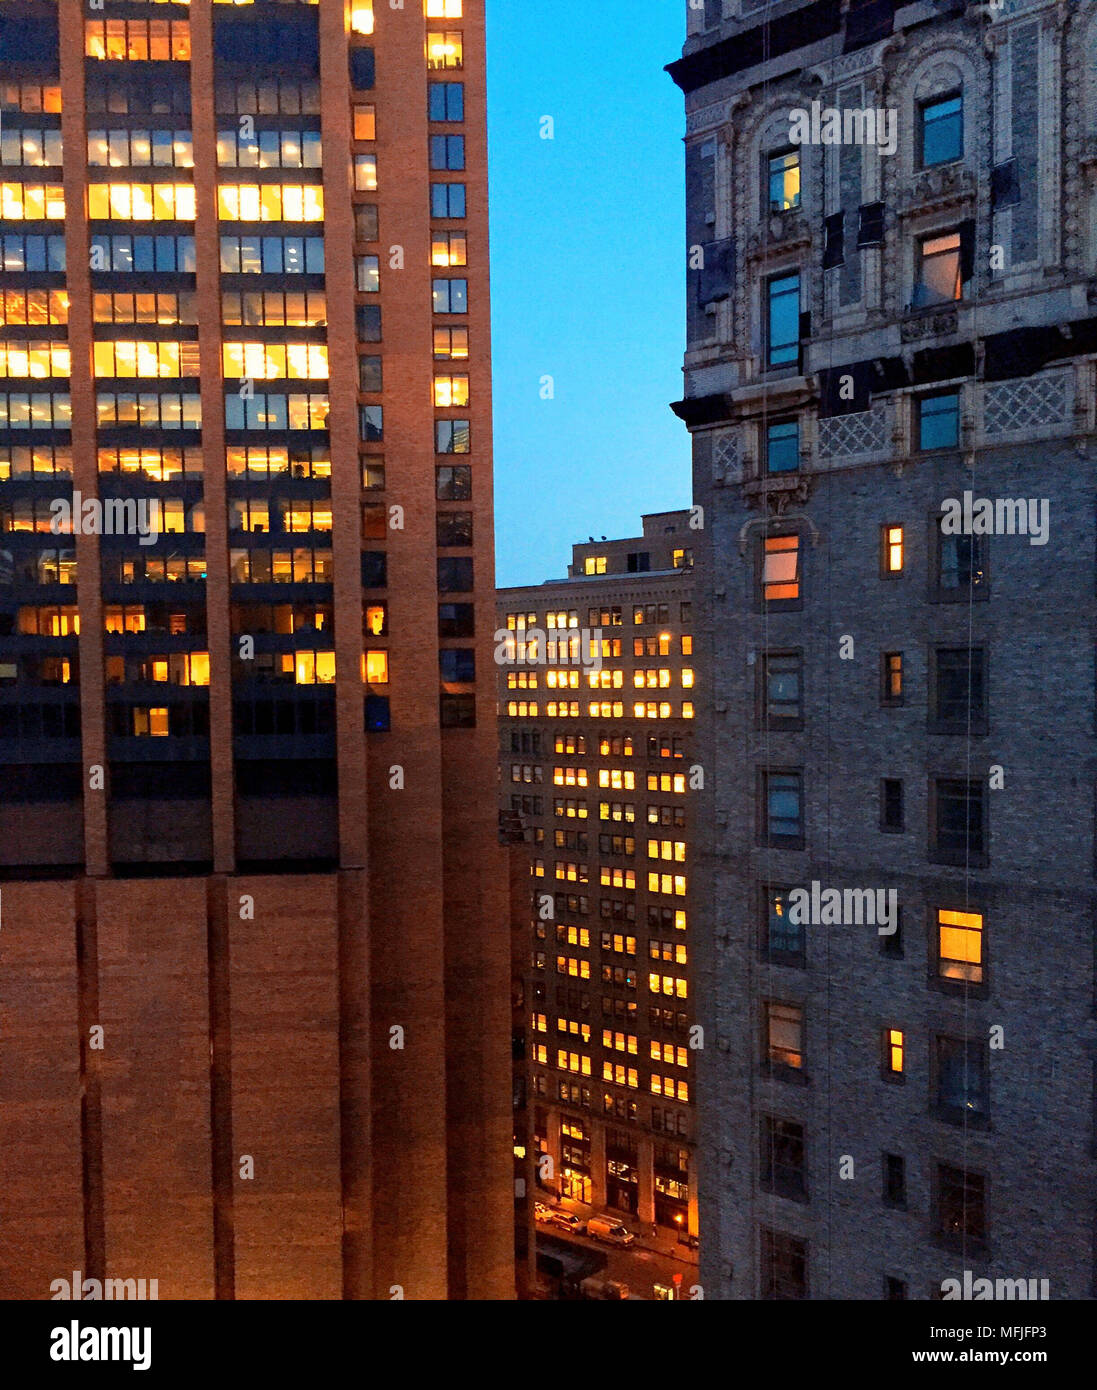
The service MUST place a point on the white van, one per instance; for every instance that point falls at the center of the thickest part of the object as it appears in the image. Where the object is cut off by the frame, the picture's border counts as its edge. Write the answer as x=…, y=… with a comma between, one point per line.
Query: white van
x=612, y=1232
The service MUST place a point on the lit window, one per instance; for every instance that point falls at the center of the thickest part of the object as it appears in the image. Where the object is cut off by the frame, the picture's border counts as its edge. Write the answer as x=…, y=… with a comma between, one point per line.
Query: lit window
x=893, y=678
x=784, y=181
x=785, y=1035
x=365, y=173
x=376, y=667
x=938, y=274
x=443, y=9
x=142, y=202
x=444, y=50
x=781, y=568
x=893, y=549
x=361, y=16
x=595, y=564
x=894, y=1052
x=448, y=248
x=27, y=202
x=365, y=122
x=451, y=390
x=270, y=202
x=960, y=946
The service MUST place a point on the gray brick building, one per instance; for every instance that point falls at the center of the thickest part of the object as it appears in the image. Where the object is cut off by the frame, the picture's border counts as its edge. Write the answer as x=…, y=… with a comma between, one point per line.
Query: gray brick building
x=892, y=228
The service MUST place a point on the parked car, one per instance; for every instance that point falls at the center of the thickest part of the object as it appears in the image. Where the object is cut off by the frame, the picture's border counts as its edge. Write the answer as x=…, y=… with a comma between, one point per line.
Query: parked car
x=541, y=1212
x=593, y=1287
x=566, y=1221
x=604, y=1228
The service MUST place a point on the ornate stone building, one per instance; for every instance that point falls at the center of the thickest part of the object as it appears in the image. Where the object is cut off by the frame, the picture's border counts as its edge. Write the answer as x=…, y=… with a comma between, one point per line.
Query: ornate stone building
x=885, y=316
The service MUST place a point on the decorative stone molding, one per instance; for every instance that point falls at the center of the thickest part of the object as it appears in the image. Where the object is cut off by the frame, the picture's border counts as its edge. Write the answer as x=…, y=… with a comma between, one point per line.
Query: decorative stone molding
x=857, y=436
x=1026, y=404
x=929, y=323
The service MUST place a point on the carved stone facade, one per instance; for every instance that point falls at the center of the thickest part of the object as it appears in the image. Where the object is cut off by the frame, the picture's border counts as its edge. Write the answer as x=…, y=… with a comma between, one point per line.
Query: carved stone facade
x=1012, y=360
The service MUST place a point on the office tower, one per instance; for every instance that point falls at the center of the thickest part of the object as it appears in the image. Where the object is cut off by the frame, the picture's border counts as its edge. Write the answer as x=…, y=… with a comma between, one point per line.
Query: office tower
x=254, y=947
x=596, y=681
x=893, y=308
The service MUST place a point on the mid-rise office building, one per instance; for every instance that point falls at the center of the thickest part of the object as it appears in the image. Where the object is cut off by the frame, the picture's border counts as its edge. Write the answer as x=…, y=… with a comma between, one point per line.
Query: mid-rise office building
x=891, y=385
x=596, y=692
x=254, y=962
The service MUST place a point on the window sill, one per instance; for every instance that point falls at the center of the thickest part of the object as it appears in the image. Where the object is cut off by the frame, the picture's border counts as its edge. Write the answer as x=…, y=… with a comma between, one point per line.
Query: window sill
x=978, y=728
x=960, y=1119
x=958, y=859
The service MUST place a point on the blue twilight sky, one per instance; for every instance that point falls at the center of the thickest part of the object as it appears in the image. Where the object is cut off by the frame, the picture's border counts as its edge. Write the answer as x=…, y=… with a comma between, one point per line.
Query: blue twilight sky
x=588, y=274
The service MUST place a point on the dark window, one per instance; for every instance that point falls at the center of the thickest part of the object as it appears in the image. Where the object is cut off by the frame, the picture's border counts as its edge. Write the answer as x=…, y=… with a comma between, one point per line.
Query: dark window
x=374, y=569
x=939, y=421
x=367, y=322
x=891, y=942
x=782, y=937
x=453, y=482
x=454, y=528
x=378, y=714
x=784, y=1272
x=458, y=711
x=891, y=804
x=639, y=562
x=963, y=1083
x=371, y=423
x=783, y=447
x=457, y=665
x=456, y=620
x=451, y=436
x=447, y=152
x=941, y=128
x=362, y=68
x=783, y=808
x=895, y=1180
x=892, y=674
x=447, y=101
x=895, y=1290
x=455, y=575
x=447, y=200
x=961, y=1204
x=783, y=320
x=369, y=374
x=782, y=1158
x=961, y=565
x=781, y=688
x=451, y=296
x=959, y=688
x=365, y=222
x=959, y=830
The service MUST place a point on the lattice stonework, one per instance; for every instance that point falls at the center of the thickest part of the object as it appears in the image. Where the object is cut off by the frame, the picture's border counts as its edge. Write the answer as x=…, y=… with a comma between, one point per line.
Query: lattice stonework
x=726, y=458
x=1026, y=403
x=849, y=436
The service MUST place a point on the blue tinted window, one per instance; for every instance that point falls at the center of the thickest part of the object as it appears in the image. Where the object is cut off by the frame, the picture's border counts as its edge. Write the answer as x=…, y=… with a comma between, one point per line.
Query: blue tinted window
x=783, y=320
x=783, y=447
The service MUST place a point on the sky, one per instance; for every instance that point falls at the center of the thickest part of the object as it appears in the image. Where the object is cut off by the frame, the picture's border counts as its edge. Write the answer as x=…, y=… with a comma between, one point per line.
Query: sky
x=588, y=274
